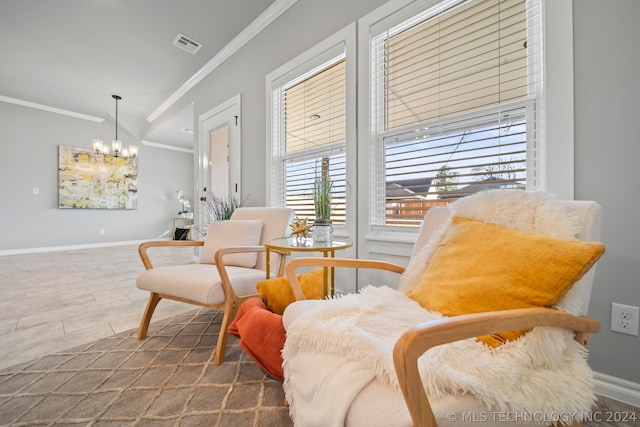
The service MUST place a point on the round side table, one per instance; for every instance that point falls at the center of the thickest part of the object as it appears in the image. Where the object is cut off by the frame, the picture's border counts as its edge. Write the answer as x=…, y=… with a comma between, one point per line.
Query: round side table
x=292, y=244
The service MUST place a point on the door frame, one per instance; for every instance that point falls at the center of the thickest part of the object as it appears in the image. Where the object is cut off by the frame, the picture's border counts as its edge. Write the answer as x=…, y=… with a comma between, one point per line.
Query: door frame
x=225, y=114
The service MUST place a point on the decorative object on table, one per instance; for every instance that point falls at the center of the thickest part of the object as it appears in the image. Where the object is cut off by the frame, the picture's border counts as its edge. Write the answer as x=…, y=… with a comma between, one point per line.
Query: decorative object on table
x=185, y=205
x=322, y=187
x=300, y=229
x=182, y=227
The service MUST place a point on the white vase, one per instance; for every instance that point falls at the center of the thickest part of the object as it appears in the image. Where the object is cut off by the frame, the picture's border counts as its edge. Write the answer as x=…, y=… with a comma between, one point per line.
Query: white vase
x=322, y=230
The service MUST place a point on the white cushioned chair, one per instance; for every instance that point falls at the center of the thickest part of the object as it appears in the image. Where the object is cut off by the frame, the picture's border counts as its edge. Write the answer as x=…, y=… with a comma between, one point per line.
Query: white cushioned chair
x=383, y=358
x=232, y=260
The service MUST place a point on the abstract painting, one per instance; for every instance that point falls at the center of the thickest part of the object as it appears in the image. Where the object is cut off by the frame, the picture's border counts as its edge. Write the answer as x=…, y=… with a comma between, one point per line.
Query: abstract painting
x=89, y=180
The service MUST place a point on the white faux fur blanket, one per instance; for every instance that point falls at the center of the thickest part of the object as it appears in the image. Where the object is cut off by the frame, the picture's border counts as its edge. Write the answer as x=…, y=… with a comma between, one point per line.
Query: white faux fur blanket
x=527, y=375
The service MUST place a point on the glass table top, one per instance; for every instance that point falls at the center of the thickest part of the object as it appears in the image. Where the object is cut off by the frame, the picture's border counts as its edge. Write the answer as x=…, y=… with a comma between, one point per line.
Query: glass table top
x=308, y=244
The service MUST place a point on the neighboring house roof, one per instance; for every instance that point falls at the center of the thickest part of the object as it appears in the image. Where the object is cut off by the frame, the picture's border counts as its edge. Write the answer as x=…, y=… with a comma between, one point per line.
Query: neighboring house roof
x=408, y=188
x=486, y=184
x=419, y=188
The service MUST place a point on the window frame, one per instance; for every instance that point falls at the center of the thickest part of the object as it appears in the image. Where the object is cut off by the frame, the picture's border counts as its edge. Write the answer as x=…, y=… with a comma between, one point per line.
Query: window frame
x=391, y=26
x=341, y=43
x=555, y=162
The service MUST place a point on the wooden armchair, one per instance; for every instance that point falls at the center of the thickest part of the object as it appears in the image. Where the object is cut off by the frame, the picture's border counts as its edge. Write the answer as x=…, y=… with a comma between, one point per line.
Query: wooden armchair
x=411, y=382
x=232, y=260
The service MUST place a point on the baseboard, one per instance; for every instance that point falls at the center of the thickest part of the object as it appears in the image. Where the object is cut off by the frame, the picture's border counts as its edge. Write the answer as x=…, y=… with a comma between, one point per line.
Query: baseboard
x=69, y=247
x=617, y=388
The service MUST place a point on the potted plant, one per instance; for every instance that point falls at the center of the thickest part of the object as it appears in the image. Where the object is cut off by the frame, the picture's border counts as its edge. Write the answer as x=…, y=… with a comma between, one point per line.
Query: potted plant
x=220, y=208
x=322, y=187
x=216, y=208
x=185, y=205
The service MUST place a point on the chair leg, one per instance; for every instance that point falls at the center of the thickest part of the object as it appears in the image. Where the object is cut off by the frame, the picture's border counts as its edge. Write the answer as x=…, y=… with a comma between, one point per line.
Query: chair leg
x=154, y=299
x=221, y=346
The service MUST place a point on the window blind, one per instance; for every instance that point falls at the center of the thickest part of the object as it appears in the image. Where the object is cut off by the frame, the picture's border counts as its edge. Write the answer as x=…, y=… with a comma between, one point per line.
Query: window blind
x=310, y=135
x=436, y=166
x=453, y=105
x=315, y=110
x=299, y=177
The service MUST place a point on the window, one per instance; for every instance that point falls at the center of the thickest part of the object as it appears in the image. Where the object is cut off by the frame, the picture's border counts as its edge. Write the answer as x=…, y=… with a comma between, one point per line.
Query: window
x=454, y=99
x=309, y=133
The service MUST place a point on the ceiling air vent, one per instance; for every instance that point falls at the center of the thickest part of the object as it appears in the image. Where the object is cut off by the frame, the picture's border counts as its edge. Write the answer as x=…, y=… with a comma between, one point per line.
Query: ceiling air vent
x=187, y=43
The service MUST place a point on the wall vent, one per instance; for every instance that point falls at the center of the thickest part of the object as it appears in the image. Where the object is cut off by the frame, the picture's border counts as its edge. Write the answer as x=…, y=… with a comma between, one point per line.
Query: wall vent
x=187, y=43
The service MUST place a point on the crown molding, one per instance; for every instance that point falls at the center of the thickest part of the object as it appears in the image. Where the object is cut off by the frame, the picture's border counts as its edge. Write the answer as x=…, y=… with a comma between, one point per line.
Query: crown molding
x=253, y=29
x=50, y=109
x=166, y=146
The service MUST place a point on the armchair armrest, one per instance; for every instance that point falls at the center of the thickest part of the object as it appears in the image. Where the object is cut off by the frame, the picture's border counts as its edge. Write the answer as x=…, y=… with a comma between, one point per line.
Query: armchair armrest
x=222, y=270
x=420, y=338
x=144, y=256
x=296, y=263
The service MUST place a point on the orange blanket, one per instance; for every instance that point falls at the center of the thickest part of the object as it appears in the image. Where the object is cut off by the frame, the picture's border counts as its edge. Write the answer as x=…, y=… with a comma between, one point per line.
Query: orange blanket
x=261, y=335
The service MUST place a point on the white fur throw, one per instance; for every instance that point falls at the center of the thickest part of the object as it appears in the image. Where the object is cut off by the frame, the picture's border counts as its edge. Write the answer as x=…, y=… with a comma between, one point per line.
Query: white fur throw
x=543, y=371
x=528, y=375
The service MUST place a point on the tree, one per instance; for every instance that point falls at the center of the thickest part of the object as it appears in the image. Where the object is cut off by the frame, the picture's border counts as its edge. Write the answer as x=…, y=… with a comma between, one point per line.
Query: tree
x=446, y=180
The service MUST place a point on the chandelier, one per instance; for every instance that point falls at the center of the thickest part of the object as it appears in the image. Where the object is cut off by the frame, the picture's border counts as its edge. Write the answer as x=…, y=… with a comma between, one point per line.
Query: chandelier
x=116, y=145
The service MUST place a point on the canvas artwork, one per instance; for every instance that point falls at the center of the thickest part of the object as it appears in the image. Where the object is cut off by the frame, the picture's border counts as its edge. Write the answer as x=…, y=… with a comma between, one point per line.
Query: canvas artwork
x=87, y=180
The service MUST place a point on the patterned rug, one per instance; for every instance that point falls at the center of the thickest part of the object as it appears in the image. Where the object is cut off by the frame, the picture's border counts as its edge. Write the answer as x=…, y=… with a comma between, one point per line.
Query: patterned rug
x=167, y=379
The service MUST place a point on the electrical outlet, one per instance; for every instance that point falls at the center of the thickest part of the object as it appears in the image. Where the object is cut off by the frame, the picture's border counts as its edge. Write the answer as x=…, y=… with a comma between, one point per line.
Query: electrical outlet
x=625, y=319
x=102, y=231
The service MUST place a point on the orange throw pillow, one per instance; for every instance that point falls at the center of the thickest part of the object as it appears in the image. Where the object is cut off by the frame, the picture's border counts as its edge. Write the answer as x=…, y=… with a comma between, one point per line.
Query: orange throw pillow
x=278, y=294
x=482, y=267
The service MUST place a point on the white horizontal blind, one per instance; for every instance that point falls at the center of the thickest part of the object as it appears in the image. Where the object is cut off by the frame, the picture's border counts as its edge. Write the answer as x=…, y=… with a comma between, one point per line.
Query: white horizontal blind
x=433, y=167
x=315, y=110
x=453, y=113
x=311, y=132
x=299, y=174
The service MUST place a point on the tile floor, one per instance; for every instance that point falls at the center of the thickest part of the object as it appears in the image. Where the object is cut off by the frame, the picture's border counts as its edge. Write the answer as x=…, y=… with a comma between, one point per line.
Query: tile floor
x=53, y=301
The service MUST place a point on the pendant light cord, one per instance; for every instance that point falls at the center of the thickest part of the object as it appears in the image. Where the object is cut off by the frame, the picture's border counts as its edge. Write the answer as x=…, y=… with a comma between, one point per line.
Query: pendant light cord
x=116, y=97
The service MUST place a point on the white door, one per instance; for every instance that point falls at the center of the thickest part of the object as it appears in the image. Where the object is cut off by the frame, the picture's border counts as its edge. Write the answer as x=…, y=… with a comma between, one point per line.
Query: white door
x=219, y=162
x=219, y=153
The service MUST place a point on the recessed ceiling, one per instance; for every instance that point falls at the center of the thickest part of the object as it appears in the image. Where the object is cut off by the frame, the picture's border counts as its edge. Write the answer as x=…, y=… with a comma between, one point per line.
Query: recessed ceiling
x=74, y=54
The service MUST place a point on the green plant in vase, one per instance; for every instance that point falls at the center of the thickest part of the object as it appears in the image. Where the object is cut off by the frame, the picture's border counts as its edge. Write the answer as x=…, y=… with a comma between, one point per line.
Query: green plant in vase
x=322, y=187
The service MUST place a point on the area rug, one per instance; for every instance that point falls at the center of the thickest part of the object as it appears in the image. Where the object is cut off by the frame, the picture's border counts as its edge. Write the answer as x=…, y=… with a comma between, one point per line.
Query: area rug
x=167, y=379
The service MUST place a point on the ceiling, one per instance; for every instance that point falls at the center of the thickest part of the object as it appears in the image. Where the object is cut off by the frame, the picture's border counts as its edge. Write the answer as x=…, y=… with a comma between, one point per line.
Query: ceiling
x=74, y=54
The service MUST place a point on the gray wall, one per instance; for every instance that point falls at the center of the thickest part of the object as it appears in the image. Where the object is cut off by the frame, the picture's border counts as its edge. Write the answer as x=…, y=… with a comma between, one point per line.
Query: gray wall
x=607, y=95
x=29, y=142
x=245, y=72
